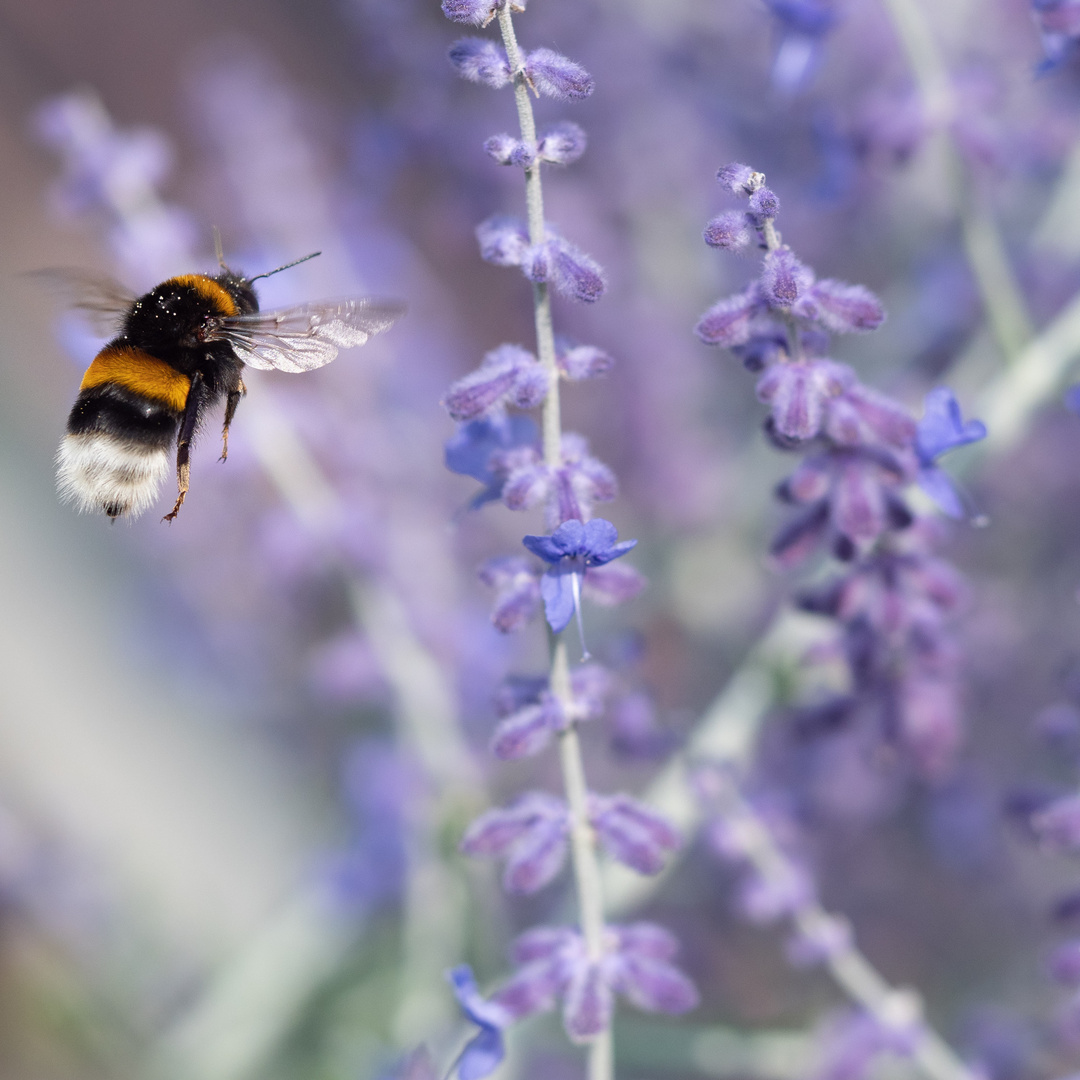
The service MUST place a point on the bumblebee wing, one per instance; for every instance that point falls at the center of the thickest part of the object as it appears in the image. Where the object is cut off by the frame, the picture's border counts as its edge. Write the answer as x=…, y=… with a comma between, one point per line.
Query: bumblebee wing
x=101, y=301
x=307, y=336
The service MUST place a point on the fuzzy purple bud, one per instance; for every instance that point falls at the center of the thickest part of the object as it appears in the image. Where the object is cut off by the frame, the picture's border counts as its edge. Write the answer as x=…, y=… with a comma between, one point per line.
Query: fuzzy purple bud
x=529, y=730
x=846, y=309
x=562, y=144
x=632, y=833
x=572, y=273
x=508, y=375
x=503, y=240
x=799, y=394
x=728, y=231
x=588, y=1003
x=764, y=206
x=784, y=279
x=739, y=179
x=517, y=591
x=501, y=147
x=583, y=362
x=481, y=61
x=531, y=833
x=477, y=12
x=553, y=74
x=728, y=321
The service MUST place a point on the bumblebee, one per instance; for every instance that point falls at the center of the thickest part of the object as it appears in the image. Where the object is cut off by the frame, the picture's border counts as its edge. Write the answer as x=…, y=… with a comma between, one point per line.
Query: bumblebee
x=182, y=348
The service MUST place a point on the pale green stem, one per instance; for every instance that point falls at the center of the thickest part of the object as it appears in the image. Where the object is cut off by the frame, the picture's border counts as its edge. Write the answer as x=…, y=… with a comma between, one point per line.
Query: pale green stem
x=1002, y=299
x=582, y=839
x=897, y=1009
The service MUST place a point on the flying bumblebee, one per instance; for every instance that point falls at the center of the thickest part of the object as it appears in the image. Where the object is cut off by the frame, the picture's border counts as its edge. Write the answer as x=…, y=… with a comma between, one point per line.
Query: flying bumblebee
x=181, y=349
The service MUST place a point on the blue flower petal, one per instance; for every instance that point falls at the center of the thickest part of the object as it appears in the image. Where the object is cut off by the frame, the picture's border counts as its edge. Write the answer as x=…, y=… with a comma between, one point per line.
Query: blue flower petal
x=558, y=593
x=569, y=537
x=600, y=535
x=942, y=429
x=483, y=1055
x=545, y=547
x=936, y=483
x=602, y=558
x=480, y=1011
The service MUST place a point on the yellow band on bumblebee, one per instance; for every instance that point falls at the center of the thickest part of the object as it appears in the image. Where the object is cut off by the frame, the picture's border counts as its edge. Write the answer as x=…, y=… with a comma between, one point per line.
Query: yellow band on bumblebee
x=139, y=372
x=209, y=290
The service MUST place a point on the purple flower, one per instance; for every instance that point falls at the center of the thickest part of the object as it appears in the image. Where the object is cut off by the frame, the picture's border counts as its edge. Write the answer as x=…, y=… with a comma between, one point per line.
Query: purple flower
x=472, y=451
x=632, y=833
x=728, y=321
x=572, y=273
x=940, y=430
x=800, y=393
x=728, y=231
x=553, y=74
x=507, y=150
x=477, y=12
x=635, y=963
x=846, y=309
x=529, y=729
x=764, y=205
x=739, y=179
x=531, y=833
x=784, y=279
x=481, y=61
x=503, y=240
x=562, y=144
x=509, y=375
x=530, y=714
x=517, y=591
x=486, y=1050
x=571, y=549
x=578, y=362
x=568, y=490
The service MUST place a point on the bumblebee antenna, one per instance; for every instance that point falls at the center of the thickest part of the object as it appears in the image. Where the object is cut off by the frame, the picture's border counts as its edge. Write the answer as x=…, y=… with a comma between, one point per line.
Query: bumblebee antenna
x=219, y=251
x=295, y=262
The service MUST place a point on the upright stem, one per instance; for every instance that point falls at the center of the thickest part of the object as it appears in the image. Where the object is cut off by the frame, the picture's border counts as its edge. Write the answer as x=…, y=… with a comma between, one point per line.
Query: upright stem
x=582, y=839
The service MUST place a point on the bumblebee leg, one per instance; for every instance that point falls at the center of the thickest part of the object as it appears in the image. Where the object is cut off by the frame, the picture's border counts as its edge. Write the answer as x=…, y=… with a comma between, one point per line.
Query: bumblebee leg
x=188, y=423
x=230, y=411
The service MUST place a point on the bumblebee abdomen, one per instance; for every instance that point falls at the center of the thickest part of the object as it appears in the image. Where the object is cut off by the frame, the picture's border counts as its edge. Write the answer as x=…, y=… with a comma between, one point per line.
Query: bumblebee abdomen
x=144, y=375
x=117, y=449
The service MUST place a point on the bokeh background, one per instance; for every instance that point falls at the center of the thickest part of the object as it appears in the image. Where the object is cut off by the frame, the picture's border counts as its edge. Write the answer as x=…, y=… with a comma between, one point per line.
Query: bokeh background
x=236, y=753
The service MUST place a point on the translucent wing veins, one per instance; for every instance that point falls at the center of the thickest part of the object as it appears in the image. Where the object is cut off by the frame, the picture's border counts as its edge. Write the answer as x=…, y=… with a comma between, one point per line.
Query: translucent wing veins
x=307, y=336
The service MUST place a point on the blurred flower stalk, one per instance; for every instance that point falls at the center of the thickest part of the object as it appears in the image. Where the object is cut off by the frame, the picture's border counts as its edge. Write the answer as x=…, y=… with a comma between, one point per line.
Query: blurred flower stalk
x=584, y=967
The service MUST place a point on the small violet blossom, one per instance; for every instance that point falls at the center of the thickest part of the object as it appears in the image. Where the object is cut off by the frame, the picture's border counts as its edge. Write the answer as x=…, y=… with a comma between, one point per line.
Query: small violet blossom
x=533, y=833
x=572, y=548
x=940, y=430
x=554, y=963
x=530, y=715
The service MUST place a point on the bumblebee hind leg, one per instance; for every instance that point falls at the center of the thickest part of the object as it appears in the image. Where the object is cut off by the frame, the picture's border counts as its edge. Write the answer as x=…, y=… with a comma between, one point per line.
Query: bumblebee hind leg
x=188, y=425
x=230, y=411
